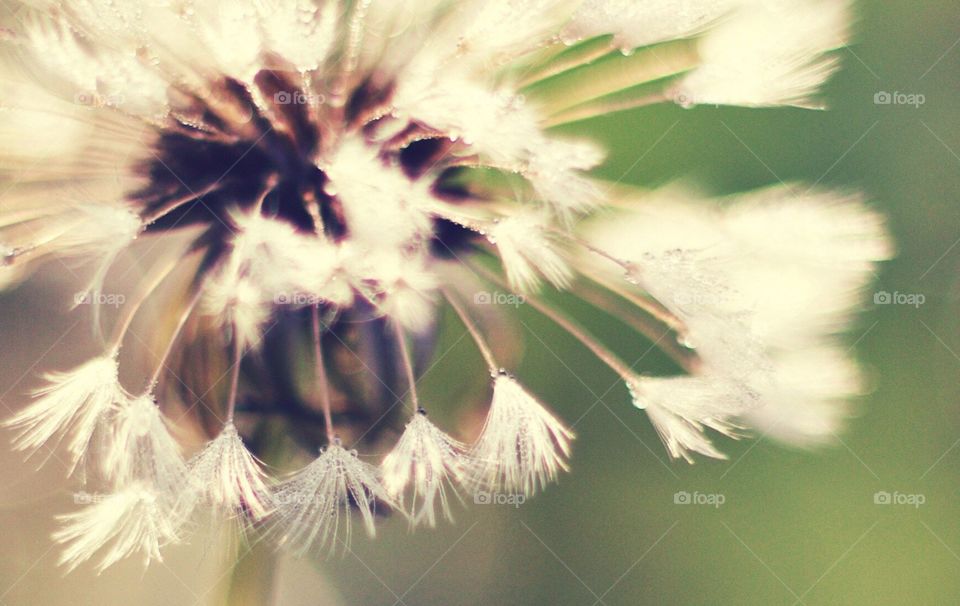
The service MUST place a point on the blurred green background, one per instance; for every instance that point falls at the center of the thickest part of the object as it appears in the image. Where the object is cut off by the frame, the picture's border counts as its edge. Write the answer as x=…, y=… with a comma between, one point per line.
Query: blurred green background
x=795, y=527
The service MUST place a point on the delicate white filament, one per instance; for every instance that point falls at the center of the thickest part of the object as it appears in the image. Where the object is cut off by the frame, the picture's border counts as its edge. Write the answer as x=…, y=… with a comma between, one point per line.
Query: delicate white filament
x=430, y=463
x=680, y=408
x=137, y=446
x=70, y=406
x=529, y=252
x=229, y=477
x=313, y=508
x=135, y=520
x=522, y=446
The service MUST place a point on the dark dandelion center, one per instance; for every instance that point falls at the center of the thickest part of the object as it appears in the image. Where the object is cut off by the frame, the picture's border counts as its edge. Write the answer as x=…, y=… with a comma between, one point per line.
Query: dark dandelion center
x=226, y=151
x=239, y=147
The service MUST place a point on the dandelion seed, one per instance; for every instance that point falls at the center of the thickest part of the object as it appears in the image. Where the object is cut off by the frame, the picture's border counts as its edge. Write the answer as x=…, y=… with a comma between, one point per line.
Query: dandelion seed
x=137, y=447
x=133, y=521
x=424, y=458
x=431, y=462
x=528, y=252
x=229, y=477
x=680, y=408
x=70, y=406
x=522, y=446
x=313, y=508
x=768, y=54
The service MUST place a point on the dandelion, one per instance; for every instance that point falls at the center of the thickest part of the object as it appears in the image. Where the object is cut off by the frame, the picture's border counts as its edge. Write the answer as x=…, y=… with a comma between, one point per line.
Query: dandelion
x=318, y=180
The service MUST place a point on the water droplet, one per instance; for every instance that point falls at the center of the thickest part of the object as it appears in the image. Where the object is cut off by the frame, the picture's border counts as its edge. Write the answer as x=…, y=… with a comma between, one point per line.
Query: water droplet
x=686, y=340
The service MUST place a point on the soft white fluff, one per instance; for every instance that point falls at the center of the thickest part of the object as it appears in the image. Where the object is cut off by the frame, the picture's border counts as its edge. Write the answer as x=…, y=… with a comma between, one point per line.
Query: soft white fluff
x=429, y=463
x=299, y=30
x=137, y=447
x=70, y=406
x=270, y=264
x=314, y=507
x=680, y=408
x=382, y=206
x=135, y=520
x=103, y=76
x=768, y=53
x=637, y=23
x=528, y=251
x=402, y=287
x=764, y=287
x=522, y=446
x=229, y=477
x=555, y=170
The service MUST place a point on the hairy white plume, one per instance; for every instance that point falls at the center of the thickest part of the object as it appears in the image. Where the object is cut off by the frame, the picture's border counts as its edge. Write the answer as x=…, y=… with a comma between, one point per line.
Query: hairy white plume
x=522, y=446
x=70, y=406
x=430, y=463
x=135, y=520
x=230, y=478
x=313, y=508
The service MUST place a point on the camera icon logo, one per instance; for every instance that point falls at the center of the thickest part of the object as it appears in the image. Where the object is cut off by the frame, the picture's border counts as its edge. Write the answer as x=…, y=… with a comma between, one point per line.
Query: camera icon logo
x=882, y=298
x=882, y=98
x=283, y=98
x=481, y=497
x=681, y=498
x=881, y=498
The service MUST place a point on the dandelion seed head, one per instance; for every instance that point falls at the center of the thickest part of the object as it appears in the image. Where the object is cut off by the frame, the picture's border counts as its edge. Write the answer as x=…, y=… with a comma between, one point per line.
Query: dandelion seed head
x=329, y=175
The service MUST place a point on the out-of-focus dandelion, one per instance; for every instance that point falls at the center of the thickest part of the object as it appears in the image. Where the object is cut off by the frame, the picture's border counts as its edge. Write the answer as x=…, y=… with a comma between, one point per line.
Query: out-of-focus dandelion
x=332, y=173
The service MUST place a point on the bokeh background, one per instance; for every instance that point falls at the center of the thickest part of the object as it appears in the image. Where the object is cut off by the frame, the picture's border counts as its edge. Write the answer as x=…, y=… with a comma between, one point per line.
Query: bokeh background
x=795, y=527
